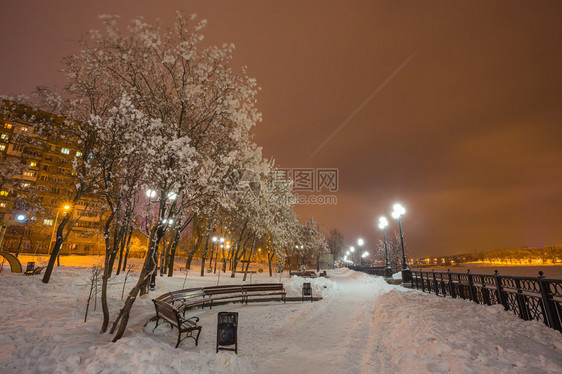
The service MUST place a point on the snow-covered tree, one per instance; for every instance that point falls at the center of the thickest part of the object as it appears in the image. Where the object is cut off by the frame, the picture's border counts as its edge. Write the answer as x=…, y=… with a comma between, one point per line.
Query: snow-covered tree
x=199, y=111
x=335, y=243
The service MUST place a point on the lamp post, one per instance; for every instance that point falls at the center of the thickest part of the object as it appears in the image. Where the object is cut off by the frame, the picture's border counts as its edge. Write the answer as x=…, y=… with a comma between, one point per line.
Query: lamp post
x=383, y=223
x=21, y=218
x=360, y=243
x=215, y=249
x=352, y=250
x=397, y=214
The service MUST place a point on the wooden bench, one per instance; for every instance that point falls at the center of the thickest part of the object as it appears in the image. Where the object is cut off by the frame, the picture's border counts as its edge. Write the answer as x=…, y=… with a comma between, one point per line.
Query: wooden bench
x=259, y=290
x=303, y=274
x=168, y=313
x=222, y=293
x=185, y=299
x=35, y=271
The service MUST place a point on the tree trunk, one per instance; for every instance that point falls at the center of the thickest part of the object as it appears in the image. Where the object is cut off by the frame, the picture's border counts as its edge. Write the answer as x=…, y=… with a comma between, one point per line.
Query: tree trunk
x=173, y=254
x=249, y=258
x=269, y=261
x=117, y=234
x=207, y=235
x=235, y=255
x=56, y=249
x=122, y=242
x=106, y=273
x=128, y=247
x=148, y=268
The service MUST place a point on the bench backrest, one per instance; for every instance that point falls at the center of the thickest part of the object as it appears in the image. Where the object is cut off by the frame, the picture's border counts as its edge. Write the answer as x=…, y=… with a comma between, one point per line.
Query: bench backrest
x=217, y=290
x=263, y=287
x=187, y=294
x=166, y=311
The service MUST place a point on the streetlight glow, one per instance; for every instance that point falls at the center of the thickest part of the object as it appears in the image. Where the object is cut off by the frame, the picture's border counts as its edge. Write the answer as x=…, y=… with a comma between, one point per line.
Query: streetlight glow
x=383, y=223
x=360, y=242
x=397, y=214
x=352, y=249
x=214, y=239
x=149, y=193
x=20, y=217
x=399, y=210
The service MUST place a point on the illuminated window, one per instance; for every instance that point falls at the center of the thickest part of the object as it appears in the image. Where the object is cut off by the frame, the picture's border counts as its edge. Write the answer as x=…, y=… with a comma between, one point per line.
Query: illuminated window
x=33, y=164
x=24, y=185
x=23, y=128
x=2, y=147
x=28, y=174
x=65, y=151
x=78, y=154
x=3, y=193
x=2, y=205
x=4, y=136
x=7, y=125
x=48, y=222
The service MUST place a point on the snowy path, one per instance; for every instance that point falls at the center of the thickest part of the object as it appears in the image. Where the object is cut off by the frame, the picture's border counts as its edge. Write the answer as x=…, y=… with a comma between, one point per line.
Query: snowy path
x=332, y=336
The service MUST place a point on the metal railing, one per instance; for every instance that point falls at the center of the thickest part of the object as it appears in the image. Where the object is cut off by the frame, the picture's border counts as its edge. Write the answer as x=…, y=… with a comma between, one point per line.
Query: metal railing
x=373, y=270
x=530, y=298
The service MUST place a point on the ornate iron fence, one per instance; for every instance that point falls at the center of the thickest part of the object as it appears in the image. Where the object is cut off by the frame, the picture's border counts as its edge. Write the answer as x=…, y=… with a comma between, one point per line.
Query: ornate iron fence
x=373, y=270
x=529, y=298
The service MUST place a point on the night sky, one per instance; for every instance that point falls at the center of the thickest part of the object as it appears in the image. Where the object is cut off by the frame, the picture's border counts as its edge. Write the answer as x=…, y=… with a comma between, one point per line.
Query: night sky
x=463, y=127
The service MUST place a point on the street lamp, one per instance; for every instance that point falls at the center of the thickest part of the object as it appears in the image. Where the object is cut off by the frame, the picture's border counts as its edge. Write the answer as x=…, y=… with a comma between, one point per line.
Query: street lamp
x=383, y=223
x=21, y=218
x=360, y=243
x=397, y=214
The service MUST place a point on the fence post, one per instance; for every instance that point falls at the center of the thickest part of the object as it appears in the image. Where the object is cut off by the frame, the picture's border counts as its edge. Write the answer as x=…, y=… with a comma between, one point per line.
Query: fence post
x=549, y=305
x=471, y=288
x=422, y=282
x=485, y=293
x=451, y=286
x=499, y=291
x=435, y=288
x=521, y=301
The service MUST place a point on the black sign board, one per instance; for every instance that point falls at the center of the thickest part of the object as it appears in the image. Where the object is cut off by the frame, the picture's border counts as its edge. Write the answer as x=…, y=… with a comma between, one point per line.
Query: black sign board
x=306, y=291
x=227, y=331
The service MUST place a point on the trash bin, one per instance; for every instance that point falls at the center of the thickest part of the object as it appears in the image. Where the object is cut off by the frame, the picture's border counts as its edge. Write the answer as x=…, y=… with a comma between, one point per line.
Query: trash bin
x=227, y=331
x=306, y=291
x=30, y=266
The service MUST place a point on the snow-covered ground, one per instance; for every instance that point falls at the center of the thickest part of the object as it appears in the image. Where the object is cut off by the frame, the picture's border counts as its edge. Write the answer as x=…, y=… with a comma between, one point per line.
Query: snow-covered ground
x=362, y=325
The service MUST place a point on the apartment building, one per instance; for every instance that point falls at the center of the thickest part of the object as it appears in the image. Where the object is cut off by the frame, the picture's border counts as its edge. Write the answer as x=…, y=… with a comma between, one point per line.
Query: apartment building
x=36, y=188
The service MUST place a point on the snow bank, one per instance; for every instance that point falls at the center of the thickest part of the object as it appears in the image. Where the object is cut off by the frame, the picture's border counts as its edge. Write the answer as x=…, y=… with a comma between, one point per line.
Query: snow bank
x=425, y=333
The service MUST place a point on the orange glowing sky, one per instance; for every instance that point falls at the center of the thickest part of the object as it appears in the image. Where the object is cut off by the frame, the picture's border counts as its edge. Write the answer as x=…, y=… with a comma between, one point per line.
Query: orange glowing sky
x=467, y=135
